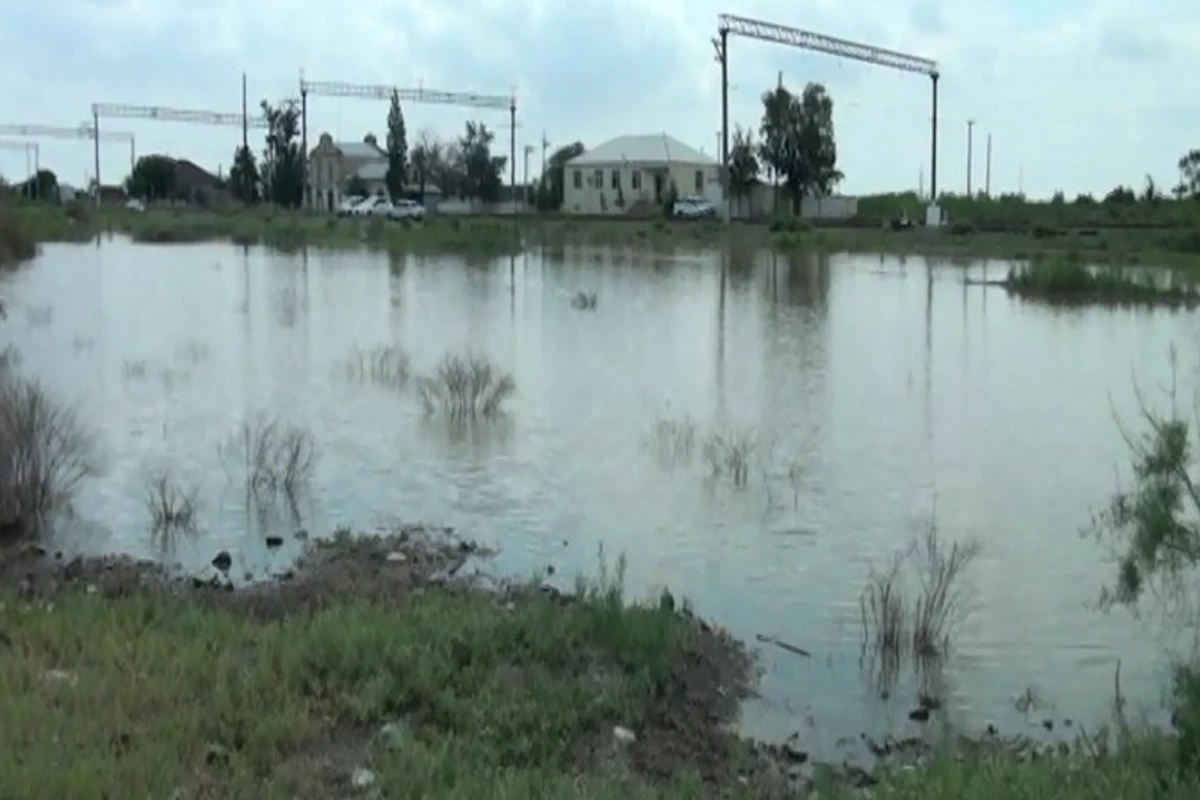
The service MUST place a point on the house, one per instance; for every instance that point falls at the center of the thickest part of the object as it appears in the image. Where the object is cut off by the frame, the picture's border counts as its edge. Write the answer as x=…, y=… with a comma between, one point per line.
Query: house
x=331, y=165
x=635, y=174
x=195, y=184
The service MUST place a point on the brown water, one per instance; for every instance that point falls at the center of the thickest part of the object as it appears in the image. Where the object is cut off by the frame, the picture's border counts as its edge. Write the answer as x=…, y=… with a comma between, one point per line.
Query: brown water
x=890, y=386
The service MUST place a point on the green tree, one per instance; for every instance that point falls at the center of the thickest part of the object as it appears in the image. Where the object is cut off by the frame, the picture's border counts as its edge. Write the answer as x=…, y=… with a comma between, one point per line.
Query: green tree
x=356, y=186
x=244, y=180
x=1189, y=176
x=482, y=170
x=551, y=188
x=153, y=178
x=743, y=164
x=283, y=163
x=42, y=186
x=397, y=149
x=797, y=142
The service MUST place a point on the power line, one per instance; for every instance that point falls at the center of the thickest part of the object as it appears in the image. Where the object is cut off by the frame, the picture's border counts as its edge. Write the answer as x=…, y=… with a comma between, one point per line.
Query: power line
x=82, y=131
x=831, y=45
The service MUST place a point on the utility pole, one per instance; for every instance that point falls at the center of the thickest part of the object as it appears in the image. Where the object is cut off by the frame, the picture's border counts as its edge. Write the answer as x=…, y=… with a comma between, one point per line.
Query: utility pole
x=987, y=186
x=970, y=133
x=528, y=149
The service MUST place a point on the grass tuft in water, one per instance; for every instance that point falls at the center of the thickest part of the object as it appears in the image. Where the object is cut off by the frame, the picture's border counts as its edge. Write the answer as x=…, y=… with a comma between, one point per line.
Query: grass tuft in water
x=466, y=387
x=729, y=454
x=673, y=440
x=274, y=456
x=1068, y=280
x=584, y=301
x=172, y=508
x=384, y=365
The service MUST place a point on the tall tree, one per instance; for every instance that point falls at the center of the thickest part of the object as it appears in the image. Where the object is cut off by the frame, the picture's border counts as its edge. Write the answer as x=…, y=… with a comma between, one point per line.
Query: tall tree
x=283, y=163
x=397, y=149
x=243, y=176
x=153, y=178
x=798, y=144
x=451, y=171
x=483, y=170
x=1189, y=175
x=550, y=192
x=425, y=160
x=743, y=164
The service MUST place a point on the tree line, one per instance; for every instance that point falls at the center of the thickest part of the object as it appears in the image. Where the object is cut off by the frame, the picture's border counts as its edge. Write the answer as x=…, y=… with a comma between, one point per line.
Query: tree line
x=464, y=167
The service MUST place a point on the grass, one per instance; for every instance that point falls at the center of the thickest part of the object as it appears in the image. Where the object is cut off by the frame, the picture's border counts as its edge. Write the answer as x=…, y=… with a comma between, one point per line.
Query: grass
x=385, y=365
x=172, y=508
x=729, y=454
x=673, y=440
x=45, y=453
x=1070, y=281
x=17, y=242
x=466, y=387
x=446, y=695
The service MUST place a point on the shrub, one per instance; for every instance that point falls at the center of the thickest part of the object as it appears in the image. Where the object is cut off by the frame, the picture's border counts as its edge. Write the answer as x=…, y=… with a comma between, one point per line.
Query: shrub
x=466, y=387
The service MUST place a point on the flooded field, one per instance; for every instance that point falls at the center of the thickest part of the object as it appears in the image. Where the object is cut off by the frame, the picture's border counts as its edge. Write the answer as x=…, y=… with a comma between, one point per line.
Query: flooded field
x=873, y=391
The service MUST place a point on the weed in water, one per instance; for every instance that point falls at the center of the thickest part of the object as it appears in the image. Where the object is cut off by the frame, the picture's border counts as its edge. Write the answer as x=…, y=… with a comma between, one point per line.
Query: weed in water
x=45, y=453
x=383, y=365
x=274, y=456
x=172, y=508
x=466, y=387
x=584, y=301
x=729, y=455
x=940, y=604
x=674, y=440
x=133, y=370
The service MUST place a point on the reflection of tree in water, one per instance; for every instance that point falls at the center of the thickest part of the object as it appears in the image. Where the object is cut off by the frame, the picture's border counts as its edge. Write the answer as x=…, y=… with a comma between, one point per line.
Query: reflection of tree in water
x=806, y=279
x=286, y=306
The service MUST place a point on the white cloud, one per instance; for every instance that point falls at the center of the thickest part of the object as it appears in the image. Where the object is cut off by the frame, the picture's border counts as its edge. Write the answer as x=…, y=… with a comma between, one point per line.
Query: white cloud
x=1080, y=95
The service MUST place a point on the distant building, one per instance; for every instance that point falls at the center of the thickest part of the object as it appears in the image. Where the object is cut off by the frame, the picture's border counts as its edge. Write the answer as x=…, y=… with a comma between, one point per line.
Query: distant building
x=635, y=174
x=194, y=184
x=334, y=166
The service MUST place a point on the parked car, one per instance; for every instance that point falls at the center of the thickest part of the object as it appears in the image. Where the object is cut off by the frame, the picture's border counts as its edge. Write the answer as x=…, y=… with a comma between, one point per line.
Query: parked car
x=347, y=206
x=377, y=206
x=693, y=206
x=134, y=204
x=407, y=209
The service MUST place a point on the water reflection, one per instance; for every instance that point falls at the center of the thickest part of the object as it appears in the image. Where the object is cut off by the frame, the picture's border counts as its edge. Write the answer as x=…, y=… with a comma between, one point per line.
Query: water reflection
x=871, y=385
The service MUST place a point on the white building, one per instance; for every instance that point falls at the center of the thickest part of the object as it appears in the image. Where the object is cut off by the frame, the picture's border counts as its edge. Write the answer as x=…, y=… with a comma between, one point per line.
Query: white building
x=634, y=174
x=334, y=166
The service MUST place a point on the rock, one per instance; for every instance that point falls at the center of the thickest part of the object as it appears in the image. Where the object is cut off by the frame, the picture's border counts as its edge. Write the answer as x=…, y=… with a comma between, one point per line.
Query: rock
x=61, y=676
x=624, y=735
x=91, y=588
x=1048, y=724
x=394, y=735
x=395, y=557
x=223, y=561
x=215, y=754
x=928, y=702
x=919, y=715
x=794, y=754
x=302, y=534
x=274, y=541
x=362, y=778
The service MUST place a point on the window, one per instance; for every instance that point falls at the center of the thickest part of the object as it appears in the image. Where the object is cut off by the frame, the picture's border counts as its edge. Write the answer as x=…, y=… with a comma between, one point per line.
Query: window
x=578, y=179
x=598, y=179
x=699, y=181
x=616, y=179
x=635, y=179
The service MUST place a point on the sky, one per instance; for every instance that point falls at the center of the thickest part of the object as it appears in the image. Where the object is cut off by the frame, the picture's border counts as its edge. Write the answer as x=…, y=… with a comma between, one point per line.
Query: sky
x=1076, y=95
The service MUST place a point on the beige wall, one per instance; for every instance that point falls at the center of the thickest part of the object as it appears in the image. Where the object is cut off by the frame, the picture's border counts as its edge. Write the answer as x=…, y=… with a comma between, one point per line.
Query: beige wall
x=328, y=170
x=594, y=196
x=761, y=203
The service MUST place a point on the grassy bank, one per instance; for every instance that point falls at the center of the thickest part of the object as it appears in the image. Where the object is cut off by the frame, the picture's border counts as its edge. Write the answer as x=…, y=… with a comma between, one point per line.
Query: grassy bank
x=17, y=241
x=1166, y=247
x=1061, y=280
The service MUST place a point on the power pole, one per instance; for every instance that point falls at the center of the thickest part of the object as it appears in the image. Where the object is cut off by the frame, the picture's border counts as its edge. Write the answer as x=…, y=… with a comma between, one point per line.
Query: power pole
x=528, y=149
x=970, y=133
x=245, y=117
x=987, y=186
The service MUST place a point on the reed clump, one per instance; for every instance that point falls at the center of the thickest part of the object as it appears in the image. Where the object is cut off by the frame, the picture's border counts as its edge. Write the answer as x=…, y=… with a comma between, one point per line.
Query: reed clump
x=386, y=365
x=171, y=506
x=274, y=456
x=729, y=455
x=466, y=387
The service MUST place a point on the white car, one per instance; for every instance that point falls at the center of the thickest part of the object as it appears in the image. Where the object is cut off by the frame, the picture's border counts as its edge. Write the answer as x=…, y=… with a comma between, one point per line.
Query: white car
x=693, y=206
x=134, y=204
x=407, y=209
x=347, y=206
x=377, y=206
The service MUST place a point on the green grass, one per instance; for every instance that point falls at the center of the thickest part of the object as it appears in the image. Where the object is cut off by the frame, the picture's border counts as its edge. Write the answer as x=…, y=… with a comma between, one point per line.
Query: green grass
x=17, y=242
x=140, y=696
x=1067, y=280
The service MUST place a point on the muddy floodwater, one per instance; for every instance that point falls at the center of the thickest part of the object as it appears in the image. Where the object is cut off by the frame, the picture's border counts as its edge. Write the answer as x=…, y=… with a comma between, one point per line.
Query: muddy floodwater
x=878, y=390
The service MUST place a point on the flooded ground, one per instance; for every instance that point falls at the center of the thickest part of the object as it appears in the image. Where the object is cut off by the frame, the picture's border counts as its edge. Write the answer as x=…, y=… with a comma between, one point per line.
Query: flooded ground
x=876, y=389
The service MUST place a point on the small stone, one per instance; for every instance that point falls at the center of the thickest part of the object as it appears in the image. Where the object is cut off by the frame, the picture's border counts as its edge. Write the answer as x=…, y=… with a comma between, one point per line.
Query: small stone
x=624, y=735
x=362, y=778
x=396, y=557
x=274, y=541
x=919, y=715
x=215, y=754
x=394, y=734
x=223, y=561
x=1048, y=724
x=91, y=588
x=61, y=676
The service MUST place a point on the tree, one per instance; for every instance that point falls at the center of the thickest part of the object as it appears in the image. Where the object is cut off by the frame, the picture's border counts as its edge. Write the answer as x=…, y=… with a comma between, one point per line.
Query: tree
x=743, y=164
x=1151, y=193
x=798, y=142
x=153, y=178
x=283, y=164
x=425, y=160
x=482, y=169
x=397, y=149
x=42, y=186
x=1120, y=195
x=451, y=172
x=244, y=181
x=1189, y=176
x=551, y=188
x=356, y=186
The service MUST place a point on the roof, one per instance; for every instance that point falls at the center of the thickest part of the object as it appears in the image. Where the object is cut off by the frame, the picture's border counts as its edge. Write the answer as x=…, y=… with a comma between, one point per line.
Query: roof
x=191, y=174
x=654, y=148
x=359, y=150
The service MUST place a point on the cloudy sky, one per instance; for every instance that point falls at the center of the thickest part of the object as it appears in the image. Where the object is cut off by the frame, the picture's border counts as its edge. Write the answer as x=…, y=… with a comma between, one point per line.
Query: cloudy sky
x=1077, y=95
